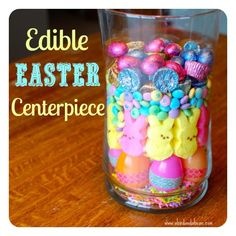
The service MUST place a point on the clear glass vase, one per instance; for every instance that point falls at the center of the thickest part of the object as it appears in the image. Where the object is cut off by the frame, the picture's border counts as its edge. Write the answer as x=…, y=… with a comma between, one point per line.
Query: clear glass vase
x=157, y=153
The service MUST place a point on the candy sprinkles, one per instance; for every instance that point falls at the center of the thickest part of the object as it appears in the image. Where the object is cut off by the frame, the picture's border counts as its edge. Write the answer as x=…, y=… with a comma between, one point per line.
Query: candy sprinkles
x=157, y=120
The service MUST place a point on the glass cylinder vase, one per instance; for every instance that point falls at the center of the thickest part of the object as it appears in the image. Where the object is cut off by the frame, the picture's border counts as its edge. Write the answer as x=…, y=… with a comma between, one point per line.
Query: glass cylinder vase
x=157, y=153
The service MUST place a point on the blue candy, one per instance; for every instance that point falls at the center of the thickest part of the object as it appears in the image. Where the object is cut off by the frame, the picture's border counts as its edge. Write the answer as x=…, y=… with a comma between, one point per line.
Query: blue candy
x=174, y=103
x=191, y=45
x=199, y=103
x=166, y=109
x=189, y=55
x=178, y=93
x=137, y=96
x=193, y=101
x=115, y=110
x=154, y=103
x=144, y=111
x=119, y=91
x=205, y=56
x=165, y=79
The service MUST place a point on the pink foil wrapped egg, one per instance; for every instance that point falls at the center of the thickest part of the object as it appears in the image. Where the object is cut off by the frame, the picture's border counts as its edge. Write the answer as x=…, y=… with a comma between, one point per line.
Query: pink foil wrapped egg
x=117, y=49
x=127, y=62
x=177, y=68
x=132, y=171
x=156, y=45
x=172, y=49
x=151, y=64
x=195, y=167
x=166, y=175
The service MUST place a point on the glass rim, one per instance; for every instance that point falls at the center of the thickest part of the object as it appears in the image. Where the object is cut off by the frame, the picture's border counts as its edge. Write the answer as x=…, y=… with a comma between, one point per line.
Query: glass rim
x=161, y=17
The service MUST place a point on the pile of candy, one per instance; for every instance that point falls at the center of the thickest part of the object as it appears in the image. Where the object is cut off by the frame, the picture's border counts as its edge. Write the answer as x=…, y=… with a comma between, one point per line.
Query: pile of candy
x=157, y=115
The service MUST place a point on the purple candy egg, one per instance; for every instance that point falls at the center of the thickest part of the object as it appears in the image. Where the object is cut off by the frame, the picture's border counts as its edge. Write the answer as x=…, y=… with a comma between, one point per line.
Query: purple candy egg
x=184, y=100
x=173, y=113
x=117, y=49
x=185, y=106
x=156, y=45
x=151, y=64
x=172, y=49
x=127, y=62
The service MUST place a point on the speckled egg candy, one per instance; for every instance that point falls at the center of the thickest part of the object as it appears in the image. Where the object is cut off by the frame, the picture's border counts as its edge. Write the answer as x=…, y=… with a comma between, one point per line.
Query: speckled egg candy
x=166, y=175
x=195, y=167
x=132, y=171
x=117, y=49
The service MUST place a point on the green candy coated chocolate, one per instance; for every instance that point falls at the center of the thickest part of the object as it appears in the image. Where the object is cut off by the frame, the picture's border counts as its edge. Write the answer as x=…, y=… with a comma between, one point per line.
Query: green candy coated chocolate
x=162, y=115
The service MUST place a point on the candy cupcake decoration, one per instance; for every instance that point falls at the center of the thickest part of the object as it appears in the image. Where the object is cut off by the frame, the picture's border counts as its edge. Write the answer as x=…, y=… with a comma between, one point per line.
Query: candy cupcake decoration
x=166, y=175
x=197, y=69
x=117, y=49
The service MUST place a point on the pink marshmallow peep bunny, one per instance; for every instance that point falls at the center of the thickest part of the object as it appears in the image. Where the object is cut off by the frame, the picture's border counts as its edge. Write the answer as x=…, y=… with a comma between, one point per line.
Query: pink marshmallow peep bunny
x=202, y=126
x=134, y=135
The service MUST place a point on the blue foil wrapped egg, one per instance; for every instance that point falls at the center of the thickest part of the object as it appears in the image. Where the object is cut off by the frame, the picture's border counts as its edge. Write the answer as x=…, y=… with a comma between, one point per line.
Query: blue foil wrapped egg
x=189, y=55
x=205, y=56
x=191, y=45
x=178, y=60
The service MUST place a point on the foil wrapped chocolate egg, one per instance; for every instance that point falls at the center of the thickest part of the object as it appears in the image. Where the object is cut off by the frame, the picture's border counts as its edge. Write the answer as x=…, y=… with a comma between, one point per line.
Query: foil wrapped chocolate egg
x=178, y=60
x=137, y=54
x=172, y=49
x=166, y=175
x=151, y=64
x=127, y=62
x=132, y=171
x=189, y=55
x=117, y=49
x=177, y=68
x=195, y=167
x=191, y=45
x=156, y=45
x=205, y=56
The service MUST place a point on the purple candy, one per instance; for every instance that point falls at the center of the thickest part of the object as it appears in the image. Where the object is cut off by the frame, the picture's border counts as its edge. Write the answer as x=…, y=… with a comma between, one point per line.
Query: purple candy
x=117, y=49
x=136, y=104
x=173, y=113
x=184, y=100
x=172, y=49
x=127, y=62
x=147, y=96
x=165, y=101
x=128, y=97
x=185, y=106
x=156, y=45
x=128, y=105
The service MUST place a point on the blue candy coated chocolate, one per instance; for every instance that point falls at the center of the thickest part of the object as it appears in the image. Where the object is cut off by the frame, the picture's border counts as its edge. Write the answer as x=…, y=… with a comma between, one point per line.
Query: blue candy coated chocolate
x=130, y=79
x=191, y=45
x=165, y=79
x=174, y=103
x=144, y=111
x=189, y=55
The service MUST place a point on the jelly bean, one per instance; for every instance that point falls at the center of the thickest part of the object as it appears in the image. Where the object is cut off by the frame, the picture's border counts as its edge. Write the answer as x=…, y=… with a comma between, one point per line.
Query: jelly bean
x=174, y=113
x=191, y=93
x=184, y=99
x=138, y=96
x=120, y=116
x=165, y=101
x=156, y=95
x=166, y=109
x=193, y=101
x=199, y=103
x=147, y=96
x=178, y=93
x=174, y=103
x=135, y=113
x=153, y=110
x=185, y=106
x=188, y=112
x=144, y=111
x=145, y=103
x=162, y=115
x=128, y=105
x=198, y=93
x=136, y=104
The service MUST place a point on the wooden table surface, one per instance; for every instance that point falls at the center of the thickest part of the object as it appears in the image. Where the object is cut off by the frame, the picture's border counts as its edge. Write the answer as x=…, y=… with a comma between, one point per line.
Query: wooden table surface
x=56, y=176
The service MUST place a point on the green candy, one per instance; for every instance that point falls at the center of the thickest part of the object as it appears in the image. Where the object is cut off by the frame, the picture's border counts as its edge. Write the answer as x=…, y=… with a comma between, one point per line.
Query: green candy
x=162, y=115
x=188, y=112
x=144, y=103
x=137, y=96
x=135, y=113
x=153, y=110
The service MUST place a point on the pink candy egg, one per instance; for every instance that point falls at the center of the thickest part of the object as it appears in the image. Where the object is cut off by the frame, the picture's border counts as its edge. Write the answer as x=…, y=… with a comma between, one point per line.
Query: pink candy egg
x=195, y=167
x=177, y=68
x=156, y=45
x=151, y=64
x=172, y=49
x=132, y=171
x=117, y=49
x=127, y=62
x=166, y=175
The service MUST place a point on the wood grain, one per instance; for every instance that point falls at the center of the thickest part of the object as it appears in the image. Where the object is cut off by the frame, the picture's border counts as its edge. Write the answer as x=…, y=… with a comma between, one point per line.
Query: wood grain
x=56, y=176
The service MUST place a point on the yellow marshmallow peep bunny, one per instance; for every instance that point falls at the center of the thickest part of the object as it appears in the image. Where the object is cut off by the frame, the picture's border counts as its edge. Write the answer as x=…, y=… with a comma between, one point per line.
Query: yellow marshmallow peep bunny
x=113, y=135
x=160, y=135
x=185, y=133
